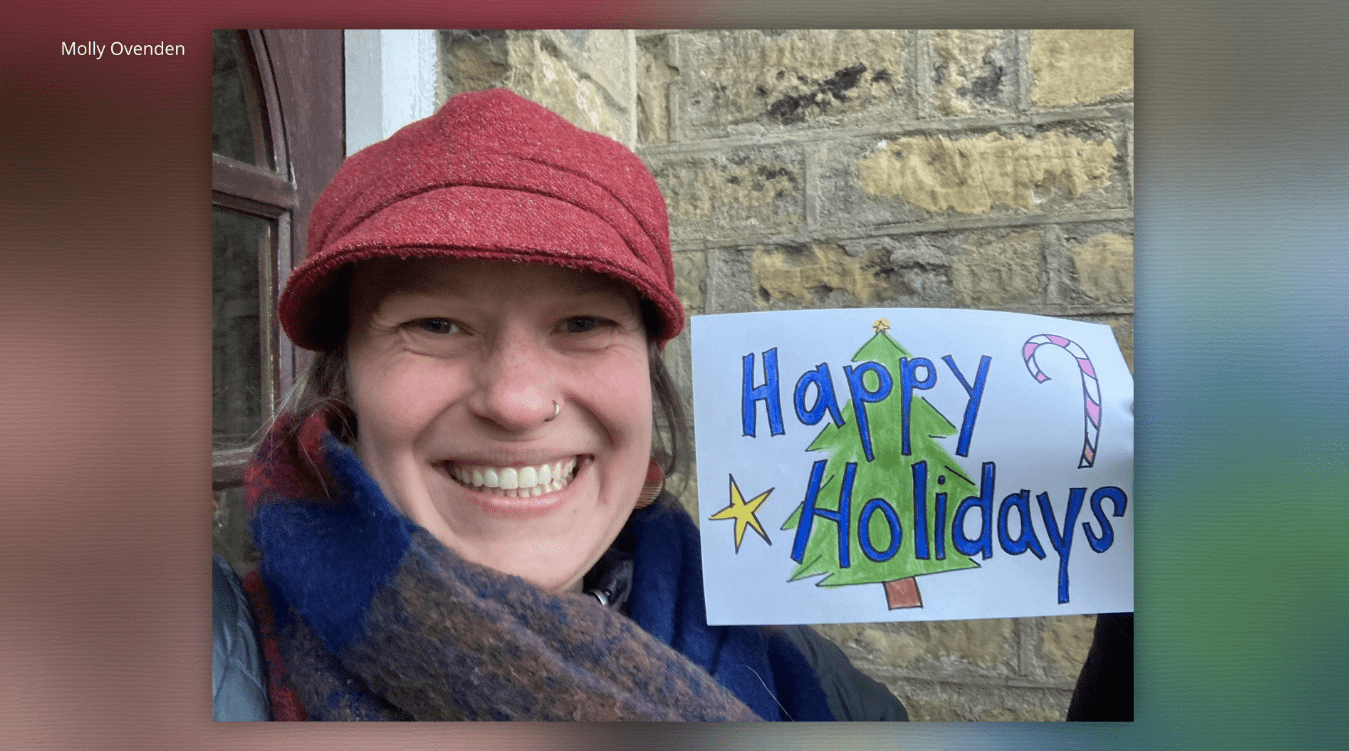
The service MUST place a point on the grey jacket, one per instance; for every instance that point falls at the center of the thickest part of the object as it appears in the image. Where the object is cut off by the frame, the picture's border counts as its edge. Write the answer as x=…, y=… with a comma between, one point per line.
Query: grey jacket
x=238, y=679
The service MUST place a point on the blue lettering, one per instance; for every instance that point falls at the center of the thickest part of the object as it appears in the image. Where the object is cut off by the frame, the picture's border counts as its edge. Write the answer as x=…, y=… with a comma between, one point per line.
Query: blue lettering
x=768, y=392
x=976, y=394
x=1026, y=538
x=984, y=503
x=840, y=517
x=908, y=382
x=939, y=539
x=864, y=530
x=824, y=397
x=1107, y=538
x=1062, y=540
x=861, y=396
x=920, y=510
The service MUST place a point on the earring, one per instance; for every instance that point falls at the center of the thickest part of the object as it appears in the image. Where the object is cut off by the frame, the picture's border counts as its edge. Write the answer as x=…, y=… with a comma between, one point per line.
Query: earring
x=654, y=485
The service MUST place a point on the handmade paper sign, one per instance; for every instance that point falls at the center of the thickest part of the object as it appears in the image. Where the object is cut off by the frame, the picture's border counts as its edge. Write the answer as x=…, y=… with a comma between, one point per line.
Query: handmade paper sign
x=911, y=464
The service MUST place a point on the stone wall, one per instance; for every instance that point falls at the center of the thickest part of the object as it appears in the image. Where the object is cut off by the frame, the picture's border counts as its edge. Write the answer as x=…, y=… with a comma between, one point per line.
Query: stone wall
x=587, y=77
x=803, y=169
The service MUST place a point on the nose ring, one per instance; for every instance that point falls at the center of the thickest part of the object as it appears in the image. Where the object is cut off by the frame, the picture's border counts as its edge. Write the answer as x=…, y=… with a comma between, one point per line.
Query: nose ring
x=556, y=411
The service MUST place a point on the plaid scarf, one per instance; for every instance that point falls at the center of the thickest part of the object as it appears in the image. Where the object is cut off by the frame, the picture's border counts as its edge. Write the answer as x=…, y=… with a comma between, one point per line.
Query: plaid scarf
x=366, y=616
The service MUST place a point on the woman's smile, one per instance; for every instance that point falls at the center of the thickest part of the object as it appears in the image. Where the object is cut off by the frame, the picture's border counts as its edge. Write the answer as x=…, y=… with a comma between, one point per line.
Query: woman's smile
x=515, y=482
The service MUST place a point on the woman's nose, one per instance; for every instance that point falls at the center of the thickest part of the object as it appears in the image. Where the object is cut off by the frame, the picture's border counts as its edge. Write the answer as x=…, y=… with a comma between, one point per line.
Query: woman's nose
x=515, y=386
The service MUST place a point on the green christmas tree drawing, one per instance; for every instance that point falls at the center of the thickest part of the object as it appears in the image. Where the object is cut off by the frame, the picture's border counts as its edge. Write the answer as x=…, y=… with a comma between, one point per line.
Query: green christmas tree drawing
x=888, y=476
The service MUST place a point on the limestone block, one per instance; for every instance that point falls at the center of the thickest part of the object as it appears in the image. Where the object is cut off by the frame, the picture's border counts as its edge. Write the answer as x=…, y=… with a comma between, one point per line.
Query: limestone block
x=796, y=277
x=954, y=702
x=532, y=64
x=993, y=172
x=473, y=60
x=538, y=72
x=1064, y=643
x=927, y=287
x=823, y=267
x=730, y=194
x=654, y=76
x=841, y=200
x=736, y=82
x=885, y=271
x=1000, y=271
x=1105, y=267
x=948, y=649
x=691, y=280
x=973, y=72
x=604, y=56
x=918, y=267
x=1073, y=66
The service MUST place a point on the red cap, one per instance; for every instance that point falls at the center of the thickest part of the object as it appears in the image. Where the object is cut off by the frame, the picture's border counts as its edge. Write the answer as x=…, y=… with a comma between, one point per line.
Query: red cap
x=491, y=176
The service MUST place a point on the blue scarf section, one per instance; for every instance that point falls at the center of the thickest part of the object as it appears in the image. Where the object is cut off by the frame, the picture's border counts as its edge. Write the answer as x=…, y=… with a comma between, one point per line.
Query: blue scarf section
x=375, y=619
x=760, y=667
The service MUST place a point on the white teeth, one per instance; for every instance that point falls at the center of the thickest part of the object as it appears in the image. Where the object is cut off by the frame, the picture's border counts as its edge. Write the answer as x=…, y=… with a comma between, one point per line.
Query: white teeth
x=518, y=482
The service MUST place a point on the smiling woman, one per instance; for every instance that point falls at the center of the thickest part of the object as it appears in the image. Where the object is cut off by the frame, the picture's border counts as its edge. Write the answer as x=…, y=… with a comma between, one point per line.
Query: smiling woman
x=473, y=380
x=462, y=514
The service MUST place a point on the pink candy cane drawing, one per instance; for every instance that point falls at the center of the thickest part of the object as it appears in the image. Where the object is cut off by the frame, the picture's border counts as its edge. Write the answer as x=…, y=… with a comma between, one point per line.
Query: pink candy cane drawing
x=1091, y=390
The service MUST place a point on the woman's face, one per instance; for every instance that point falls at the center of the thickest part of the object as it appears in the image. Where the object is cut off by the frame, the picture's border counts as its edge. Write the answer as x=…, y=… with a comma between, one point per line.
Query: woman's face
x=455, y=366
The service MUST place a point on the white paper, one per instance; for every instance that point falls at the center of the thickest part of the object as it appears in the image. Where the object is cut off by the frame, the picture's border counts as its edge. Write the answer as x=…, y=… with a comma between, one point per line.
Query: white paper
x=1028, y=433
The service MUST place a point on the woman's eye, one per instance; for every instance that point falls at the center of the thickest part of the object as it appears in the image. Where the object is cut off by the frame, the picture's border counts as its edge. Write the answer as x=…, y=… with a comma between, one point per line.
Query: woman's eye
x=437, y=325
x=580, y=324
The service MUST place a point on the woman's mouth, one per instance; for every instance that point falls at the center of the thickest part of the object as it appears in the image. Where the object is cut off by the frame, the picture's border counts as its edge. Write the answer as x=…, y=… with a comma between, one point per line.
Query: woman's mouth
x=515, y=482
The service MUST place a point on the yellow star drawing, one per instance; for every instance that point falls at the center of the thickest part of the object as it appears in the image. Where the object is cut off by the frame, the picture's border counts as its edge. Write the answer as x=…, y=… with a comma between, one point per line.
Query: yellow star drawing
x=742, y=512
x=881, y=324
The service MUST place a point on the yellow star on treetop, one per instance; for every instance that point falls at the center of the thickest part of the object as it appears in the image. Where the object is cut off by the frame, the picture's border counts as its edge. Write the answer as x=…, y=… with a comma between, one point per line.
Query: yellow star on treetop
x=742, y=512
x=881, y=324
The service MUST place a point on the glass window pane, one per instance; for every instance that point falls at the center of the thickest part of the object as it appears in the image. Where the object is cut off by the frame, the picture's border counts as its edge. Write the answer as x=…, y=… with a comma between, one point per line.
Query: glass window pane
x=239, y=121
x=230, y=534
x=241, y=394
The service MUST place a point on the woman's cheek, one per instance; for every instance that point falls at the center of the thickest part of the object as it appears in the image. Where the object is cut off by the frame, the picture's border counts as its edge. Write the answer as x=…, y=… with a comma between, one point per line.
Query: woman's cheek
x=414, y=392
